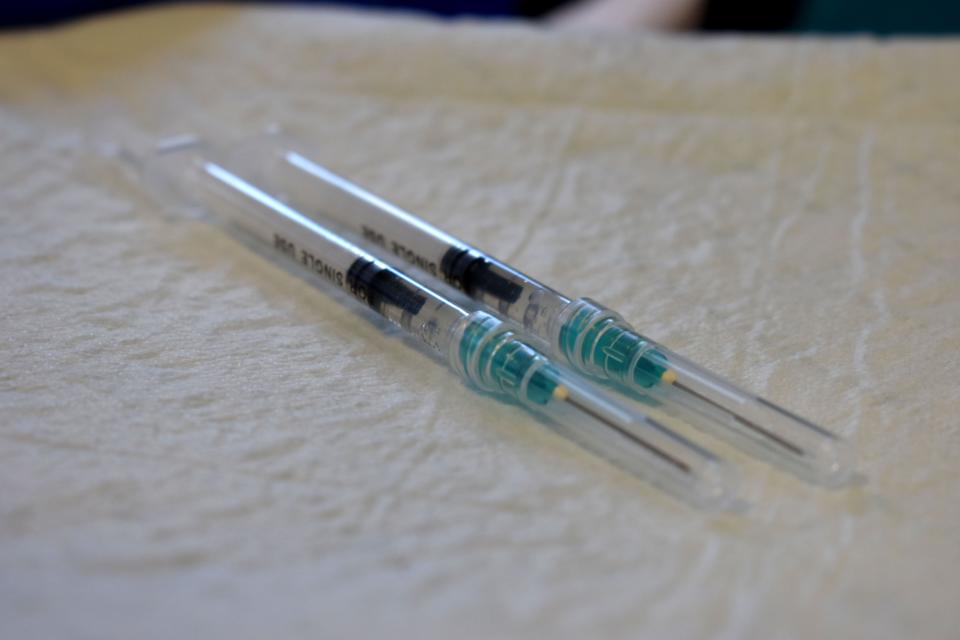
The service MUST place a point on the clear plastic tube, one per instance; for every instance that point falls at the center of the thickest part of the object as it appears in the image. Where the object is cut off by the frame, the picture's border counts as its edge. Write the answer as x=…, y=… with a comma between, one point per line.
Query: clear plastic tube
x=485, y=351
x=589, y=337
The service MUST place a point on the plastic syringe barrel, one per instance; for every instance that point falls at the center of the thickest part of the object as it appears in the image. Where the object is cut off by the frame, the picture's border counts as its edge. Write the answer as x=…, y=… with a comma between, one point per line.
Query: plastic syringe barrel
x=481, y=348
x=592, y=339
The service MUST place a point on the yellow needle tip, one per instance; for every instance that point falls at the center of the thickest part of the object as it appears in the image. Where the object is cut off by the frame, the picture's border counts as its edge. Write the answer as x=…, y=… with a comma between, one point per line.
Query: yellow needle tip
x=669, y=376
x=561, y=392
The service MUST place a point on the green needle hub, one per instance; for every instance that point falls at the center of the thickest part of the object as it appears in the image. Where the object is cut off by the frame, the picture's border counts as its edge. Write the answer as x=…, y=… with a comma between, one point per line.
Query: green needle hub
x=598, y=341
x=492, y=356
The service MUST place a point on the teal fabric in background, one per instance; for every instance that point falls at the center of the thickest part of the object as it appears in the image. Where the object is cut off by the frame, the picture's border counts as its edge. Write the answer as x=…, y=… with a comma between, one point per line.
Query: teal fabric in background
x=882, y=17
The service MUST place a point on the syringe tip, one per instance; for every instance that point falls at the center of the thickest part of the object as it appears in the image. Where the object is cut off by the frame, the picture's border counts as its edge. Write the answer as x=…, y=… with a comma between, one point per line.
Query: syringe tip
x=560, y=392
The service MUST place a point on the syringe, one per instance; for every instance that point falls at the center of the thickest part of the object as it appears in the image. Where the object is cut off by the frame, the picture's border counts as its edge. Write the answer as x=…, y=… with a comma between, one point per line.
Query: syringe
x=591, y=338
x=481, y=348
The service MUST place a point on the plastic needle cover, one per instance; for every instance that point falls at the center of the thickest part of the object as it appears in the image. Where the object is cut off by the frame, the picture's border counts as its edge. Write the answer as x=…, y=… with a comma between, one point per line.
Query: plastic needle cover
x=479, y=347
x=591, y=338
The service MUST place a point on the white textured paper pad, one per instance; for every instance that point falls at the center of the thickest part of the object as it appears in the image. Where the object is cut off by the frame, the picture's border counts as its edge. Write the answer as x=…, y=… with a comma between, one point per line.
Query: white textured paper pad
x=196, y=444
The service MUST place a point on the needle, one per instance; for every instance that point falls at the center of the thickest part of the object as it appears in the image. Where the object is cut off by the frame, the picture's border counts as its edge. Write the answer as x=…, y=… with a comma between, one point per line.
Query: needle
x=772, y=436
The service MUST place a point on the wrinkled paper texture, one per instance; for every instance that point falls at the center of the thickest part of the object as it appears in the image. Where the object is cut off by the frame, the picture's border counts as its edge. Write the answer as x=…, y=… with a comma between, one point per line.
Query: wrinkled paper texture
x=194, y=443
